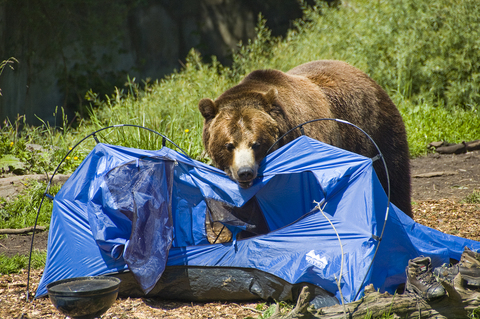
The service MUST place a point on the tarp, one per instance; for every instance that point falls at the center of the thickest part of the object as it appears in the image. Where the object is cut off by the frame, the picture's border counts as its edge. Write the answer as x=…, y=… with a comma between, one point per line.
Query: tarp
x=142, y=211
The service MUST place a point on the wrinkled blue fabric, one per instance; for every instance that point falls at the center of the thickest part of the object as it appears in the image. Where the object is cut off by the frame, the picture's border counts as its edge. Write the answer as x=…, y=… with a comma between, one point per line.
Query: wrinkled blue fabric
x=130, y=212
x=100, y=229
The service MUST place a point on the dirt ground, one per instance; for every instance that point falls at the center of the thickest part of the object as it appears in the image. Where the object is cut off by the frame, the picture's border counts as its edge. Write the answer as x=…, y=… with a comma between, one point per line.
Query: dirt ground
x=439, y=184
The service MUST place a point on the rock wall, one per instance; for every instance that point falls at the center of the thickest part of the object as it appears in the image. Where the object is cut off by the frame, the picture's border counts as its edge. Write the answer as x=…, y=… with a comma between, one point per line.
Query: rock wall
x=66, y=47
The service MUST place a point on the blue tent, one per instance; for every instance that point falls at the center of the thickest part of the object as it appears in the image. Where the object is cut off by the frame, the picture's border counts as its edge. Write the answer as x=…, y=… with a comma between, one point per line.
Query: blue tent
x=143, y=213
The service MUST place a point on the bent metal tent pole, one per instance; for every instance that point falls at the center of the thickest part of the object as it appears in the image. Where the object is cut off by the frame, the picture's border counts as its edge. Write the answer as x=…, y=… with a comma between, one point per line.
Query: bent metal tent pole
x=379, y=156
x=46, y=194
x=164, y=139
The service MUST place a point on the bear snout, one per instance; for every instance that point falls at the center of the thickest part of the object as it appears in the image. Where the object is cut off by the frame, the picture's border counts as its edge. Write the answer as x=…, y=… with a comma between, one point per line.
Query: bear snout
x=245, y=174
x=244, y=167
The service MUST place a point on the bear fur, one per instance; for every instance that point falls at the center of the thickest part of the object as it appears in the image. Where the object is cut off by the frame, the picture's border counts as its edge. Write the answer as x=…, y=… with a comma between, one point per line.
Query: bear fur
x=244, y=121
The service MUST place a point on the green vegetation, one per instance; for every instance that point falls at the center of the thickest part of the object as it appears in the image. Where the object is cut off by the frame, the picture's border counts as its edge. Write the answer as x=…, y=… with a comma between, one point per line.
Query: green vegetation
x=167, y=106
x=17, y=262
x=22, y=211
x=473, y=198
x=26, y=149
x=424, y=53
x=267, y=310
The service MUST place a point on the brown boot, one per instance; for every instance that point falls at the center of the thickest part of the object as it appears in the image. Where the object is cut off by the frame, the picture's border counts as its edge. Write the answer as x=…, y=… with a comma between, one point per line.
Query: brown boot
x=420, y=279
x=468, y=267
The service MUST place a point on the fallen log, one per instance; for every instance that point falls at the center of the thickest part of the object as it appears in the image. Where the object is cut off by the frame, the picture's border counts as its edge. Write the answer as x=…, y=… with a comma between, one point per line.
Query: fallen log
x=21, y=230
x=434, y=174
x=459, y=302
x=452, y=148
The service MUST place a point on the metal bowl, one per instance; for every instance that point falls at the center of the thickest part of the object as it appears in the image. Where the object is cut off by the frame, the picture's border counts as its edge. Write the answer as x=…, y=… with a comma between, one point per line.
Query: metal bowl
x=84, y=297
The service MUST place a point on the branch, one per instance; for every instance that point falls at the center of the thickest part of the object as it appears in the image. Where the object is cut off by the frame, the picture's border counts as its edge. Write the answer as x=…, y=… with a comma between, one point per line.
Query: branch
x=22, y=230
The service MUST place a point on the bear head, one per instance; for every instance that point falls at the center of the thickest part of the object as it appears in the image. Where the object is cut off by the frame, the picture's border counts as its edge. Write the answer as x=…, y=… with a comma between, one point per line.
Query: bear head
x=239, y=129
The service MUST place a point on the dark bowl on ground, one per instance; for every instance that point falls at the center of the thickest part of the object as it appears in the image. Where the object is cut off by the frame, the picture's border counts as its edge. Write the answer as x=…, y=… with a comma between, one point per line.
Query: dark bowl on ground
x=84, y=297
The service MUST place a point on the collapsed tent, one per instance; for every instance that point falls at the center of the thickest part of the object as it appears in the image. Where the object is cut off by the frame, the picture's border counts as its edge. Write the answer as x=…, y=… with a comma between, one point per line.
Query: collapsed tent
x=144, y=216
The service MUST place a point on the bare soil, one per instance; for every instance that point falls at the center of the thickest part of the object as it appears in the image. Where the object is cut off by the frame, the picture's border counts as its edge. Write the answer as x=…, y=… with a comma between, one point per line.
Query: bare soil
x=440, y=183
x=451, y=176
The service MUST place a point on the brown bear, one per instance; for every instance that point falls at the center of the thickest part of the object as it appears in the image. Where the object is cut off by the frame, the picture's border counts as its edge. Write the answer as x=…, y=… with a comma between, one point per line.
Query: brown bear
x=243, y=122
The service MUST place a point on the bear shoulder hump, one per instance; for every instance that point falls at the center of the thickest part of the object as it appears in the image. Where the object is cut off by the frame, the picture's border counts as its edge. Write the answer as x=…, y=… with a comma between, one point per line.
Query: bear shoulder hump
x=267, y=75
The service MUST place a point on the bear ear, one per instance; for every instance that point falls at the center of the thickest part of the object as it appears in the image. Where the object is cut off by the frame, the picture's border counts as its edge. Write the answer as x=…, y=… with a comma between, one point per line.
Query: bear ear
x=270, y=98
x=208, y=108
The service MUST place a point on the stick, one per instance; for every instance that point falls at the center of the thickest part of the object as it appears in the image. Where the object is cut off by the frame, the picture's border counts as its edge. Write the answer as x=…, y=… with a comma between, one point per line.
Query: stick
x=22, y=230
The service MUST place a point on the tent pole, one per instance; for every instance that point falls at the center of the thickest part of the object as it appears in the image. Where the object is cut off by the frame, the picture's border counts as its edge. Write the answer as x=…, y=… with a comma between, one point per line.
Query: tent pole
x=45, y=194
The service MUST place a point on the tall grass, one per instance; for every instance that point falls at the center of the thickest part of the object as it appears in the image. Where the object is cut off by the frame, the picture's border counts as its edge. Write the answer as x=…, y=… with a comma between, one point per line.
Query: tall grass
x=421, y=49
x=22, y=211
x=27, y=149
x=422, y=52
x=168, y=106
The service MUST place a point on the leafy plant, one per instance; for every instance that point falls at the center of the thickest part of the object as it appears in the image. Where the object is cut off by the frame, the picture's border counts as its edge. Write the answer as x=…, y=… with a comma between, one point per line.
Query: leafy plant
x=269, y=312
x=11, y=163
x=27, y=149
x=22, y=211
x=424, y=50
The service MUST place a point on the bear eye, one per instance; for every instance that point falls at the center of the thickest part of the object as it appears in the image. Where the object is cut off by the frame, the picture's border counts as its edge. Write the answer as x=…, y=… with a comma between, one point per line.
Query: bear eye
x=255, y=146
x=229, y=146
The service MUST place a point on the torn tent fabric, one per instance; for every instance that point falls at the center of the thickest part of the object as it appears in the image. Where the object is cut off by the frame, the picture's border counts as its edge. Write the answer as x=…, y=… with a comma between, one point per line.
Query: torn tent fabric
x=144, y=213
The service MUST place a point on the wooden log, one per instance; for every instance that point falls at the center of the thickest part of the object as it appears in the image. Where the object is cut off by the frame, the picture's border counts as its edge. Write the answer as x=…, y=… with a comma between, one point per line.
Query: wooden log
x=21, y=230
x=473, y=145
x=435, y=174
x=459, y=302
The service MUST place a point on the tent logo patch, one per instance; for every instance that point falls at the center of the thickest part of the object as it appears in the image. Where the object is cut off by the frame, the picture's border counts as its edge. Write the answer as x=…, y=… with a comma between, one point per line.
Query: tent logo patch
x=316, y=260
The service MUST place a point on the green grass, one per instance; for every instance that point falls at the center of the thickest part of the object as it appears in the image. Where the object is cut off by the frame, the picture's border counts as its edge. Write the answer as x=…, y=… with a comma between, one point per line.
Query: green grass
x=27, y=149
x=426, y=123
x=409, y=47
x=22, y=211
x=9, y=265
x=422, y=52
x=167, y=106
x=473, y=198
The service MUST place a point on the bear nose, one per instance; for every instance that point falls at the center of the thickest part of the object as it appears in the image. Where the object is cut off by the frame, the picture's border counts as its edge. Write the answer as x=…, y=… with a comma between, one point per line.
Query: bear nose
x=245, y=174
